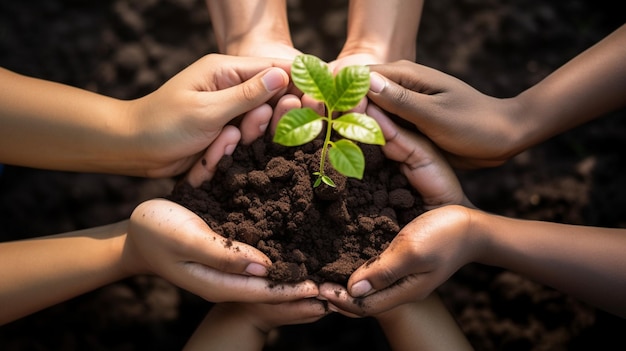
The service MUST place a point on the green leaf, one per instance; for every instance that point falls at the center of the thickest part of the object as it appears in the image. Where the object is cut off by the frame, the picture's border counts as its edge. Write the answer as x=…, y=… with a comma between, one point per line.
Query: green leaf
x=351, y=85
x=359, y=127
x=347, y=158
x=326, y=179
x=323, y=178
x=297, y=127
x=313, y=77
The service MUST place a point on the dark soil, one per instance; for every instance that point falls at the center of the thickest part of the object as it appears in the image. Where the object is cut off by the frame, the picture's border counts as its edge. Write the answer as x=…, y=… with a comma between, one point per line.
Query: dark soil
x=264, y=196
x=127, y=49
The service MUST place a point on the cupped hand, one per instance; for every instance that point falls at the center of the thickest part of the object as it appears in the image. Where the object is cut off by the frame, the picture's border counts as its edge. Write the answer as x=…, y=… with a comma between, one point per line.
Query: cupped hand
x=421, y=162
x=174, y=125
x=168, y=240
x=427, y=250
x=423, y=255
x=476, y=130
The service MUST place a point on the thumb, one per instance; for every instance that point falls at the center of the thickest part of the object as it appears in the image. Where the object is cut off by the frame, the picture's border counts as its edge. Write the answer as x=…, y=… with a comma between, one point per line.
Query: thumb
x=241, y=98
x=396, y=99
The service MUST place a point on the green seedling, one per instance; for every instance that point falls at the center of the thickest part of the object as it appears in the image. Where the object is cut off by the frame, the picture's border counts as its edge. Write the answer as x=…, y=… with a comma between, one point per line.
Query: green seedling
x=339, y=93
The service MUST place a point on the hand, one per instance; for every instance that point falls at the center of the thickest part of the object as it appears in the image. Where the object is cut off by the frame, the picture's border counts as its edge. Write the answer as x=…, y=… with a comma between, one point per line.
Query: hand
x=421, y=162
x=176, y=123
x=241, y=326
x=168, y=240
x=266, y=317
x=423, y=255
x=473, y=128
x=427, y=250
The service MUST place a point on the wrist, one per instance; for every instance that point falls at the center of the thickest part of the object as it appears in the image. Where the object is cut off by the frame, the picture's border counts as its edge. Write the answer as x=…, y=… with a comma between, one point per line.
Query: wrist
x=254, y=44
x=485, y=228
x=382, y=51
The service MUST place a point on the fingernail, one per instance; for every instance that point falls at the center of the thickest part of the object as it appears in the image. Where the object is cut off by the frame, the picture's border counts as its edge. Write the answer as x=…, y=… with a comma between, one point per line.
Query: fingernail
x=377, y=83
x=274, y=79
x=229, y=149
x=360, y=288
x=263, y=127
x=332, y=308
x=256, y=269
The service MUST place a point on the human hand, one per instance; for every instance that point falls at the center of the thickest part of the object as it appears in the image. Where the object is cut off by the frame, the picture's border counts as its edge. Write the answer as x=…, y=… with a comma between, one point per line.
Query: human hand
x=427, y=250
x=421, y=162
x=168, y=240
x=476, y=130
x=173, y=126
x=424, y=254
x=245, y=326
x=266, y=317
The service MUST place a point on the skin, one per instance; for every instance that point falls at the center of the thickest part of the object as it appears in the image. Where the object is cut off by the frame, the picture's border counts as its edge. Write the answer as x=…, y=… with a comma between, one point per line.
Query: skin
x=245, y=326
x=586, y=262
x=417, y=325
x=159, y=135
x=423, y=325
x=178, y=127
x=452, y=113
x=377, y=32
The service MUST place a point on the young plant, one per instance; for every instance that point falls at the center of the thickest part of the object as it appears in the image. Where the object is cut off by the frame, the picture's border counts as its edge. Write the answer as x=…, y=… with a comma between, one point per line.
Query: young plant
x=340, y=93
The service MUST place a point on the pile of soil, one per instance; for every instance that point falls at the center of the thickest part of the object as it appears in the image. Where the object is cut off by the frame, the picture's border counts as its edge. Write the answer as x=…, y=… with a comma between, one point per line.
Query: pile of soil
x=263, y=195
x=126, y=49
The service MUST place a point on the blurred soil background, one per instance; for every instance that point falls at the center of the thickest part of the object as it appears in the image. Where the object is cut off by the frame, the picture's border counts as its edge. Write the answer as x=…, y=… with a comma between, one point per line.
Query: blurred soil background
x=127, y=49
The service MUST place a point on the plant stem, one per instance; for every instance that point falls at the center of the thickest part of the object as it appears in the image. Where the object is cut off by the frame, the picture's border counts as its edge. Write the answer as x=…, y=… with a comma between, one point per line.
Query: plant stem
x=329, y=119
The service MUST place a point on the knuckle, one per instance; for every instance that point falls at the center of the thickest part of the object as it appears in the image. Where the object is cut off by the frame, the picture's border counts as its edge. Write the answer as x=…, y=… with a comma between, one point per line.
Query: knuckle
x=249, y=92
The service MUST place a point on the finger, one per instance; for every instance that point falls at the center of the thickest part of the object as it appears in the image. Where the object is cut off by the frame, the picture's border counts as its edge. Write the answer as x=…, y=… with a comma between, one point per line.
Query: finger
x=216, y=286
x=231, y=102
x=301, y=311
x=398, y=100
x=190, y=239
x=204, y=169
x=378, y=302
x=423, y=164
x=392, y=265
x=254, y=123
x=285, y=104
x=317, y=106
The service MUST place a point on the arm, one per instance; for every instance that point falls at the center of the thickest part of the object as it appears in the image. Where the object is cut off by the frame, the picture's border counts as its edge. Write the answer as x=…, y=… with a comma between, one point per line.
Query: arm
x=161, y=238
x=41, y=272
x=452, y=113
x=586, y=262
x=422, y=325
x=384, y=31
x=239, y=326
x=255, y=28
x=54, y=126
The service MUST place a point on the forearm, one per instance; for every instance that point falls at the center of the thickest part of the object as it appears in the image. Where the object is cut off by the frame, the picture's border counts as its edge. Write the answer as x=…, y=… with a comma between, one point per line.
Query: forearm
x=41, y=272
x=225, y=329
x=386, y=29
x=422, y=325
x=588, y=86
x=237, y=23
x=586, y=262
x=55, y=126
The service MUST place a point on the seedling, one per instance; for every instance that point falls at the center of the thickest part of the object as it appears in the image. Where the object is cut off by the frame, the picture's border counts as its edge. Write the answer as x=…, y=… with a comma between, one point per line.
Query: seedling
x=340, y=93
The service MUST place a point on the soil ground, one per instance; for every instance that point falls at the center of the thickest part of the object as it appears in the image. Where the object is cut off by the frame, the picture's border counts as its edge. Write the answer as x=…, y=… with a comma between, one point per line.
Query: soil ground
x=127, y=49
